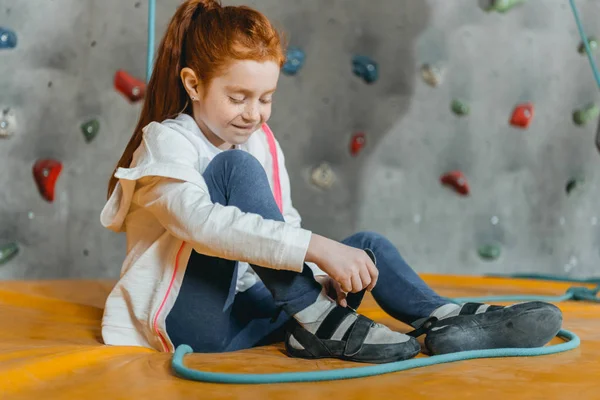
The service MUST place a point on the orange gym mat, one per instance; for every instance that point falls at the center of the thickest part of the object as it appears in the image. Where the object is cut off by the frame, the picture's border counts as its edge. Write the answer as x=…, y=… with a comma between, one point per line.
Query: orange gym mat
x=50, y=347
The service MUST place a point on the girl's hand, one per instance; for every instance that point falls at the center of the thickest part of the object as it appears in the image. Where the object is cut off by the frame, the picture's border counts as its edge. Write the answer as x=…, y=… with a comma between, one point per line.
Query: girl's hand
x=333, y=289
x=352, y=268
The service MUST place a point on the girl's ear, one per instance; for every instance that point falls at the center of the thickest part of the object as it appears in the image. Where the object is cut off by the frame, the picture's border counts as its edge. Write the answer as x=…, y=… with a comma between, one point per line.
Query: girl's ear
x=191, y=83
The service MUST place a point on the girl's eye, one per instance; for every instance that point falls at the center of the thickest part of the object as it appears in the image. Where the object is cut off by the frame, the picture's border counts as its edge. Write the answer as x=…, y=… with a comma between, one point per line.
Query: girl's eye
x=236, y=101
x=266, y=101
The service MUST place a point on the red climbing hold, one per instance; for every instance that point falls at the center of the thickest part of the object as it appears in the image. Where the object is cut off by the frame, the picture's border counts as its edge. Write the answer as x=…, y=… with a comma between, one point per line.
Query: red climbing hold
x=130, y=87
x=46, y=173
x=457, y=181
x=357, y=143
x=522, y=115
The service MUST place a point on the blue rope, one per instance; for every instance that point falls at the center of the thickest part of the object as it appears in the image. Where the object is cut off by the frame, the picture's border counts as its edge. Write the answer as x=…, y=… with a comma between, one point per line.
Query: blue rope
x=585, y=42
x=572, y=342
x=151, y=34
x=547, y=277
x=573, y=293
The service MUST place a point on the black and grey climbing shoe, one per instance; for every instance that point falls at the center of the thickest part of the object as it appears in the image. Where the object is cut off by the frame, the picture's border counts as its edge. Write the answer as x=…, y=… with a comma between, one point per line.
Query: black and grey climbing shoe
x=480, y=326
x=346, y=335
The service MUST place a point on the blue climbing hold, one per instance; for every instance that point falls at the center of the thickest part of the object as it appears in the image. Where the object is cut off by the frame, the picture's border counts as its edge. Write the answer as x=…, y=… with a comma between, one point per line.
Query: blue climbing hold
x=8, y=39
x=365, y=68
x=294, y=61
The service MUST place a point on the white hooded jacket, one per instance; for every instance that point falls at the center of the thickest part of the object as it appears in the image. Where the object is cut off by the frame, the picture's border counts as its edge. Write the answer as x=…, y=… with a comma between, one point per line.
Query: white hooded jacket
x=163, y=204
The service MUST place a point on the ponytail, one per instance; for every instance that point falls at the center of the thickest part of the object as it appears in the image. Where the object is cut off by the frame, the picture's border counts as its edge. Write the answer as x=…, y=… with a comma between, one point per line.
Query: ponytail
x=165, y=95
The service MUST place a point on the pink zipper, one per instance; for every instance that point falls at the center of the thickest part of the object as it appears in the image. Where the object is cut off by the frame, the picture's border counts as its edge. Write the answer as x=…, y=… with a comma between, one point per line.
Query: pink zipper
x=278, y=200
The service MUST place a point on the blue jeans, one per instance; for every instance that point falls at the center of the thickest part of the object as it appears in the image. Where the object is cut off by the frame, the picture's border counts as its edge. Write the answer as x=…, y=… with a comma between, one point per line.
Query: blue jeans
x=210, y=317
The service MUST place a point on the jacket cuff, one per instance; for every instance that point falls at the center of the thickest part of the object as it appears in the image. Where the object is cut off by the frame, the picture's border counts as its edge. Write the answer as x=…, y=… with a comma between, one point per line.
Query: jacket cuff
x=293, y=249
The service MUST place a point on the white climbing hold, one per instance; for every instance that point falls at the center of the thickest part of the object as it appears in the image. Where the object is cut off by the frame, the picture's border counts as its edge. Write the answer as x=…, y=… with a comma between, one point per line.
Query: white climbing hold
x=8, y=122
x=323, y=176
x=432, y=75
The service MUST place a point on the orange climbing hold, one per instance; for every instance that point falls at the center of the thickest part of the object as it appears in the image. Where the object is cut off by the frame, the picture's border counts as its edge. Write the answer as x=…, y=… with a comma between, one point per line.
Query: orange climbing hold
x=522, y=115
x=130, y=87
x=456, y=180
x=46, y=173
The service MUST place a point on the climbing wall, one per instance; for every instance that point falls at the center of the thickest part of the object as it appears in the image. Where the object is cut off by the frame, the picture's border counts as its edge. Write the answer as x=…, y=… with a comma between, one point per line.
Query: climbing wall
x=465, y=135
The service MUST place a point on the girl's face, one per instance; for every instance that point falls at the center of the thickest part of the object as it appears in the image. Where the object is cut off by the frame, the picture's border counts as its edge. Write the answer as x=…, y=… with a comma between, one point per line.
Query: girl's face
x=236, y=103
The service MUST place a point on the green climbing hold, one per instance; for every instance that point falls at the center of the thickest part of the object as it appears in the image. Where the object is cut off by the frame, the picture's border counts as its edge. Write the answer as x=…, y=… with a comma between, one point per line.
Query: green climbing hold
x=501, y=5
x=586, y=114
x=574, y=184
x=8, y=252
x=592, y=42
x=489, y=251
x=459, y=107
x=90, y=130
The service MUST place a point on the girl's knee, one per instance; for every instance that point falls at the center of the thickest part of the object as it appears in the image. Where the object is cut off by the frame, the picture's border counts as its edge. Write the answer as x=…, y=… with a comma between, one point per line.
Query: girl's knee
x=236, y=157
x=368, y=238
x=235, y=160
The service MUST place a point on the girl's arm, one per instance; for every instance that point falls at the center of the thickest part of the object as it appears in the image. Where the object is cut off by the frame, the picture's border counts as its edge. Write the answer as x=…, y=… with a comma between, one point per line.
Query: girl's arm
x=186, y=211
x=290, y=214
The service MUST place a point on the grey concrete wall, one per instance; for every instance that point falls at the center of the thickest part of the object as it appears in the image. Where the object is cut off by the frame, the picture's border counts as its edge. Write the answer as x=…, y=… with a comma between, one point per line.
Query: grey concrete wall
x=61, y=73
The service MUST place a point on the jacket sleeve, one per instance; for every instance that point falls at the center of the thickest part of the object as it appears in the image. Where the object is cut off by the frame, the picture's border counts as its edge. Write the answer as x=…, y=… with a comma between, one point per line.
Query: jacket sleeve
x=226, y=232
x=290, y=214
x=165, y=180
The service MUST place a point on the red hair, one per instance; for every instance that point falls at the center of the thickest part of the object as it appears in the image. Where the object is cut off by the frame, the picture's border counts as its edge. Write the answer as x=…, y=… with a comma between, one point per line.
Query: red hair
x=205, y=37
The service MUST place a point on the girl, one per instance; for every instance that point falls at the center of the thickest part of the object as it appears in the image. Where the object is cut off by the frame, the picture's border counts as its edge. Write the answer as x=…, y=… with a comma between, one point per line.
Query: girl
x=215, y=249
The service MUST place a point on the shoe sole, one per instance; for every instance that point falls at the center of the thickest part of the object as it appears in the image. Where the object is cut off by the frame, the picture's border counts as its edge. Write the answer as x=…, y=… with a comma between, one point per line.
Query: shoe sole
x=526, y=325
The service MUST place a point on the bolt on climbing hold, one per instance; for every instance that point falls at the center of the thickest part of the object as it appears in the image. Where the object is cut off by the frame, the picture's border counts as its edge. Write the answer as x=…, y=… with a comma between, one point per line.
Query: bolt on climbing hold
x=457, y=181
x=522, y=115
x=489, y=251
x=130, y=87
x=365, y=67
x=573, y=184
x=294, y=61
x=586, y=114
x=8, y=38
x=46, y=173
x=432, y=75
x=500, y=5
x=323, y=176
x=357, y=143
x=592, y=42
x=459, y=107
x=90, y=129
x=8, y=123
x=7, y=252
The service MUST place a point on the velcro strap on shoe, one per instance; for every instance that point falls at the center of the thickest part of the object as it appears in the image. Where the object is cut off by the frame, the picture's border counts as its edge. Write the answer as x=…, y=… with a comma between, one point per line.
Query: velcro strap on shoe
x=423, y=328
x=310, y=342
x=332, y=321
x=469, y=308
x=356, y=339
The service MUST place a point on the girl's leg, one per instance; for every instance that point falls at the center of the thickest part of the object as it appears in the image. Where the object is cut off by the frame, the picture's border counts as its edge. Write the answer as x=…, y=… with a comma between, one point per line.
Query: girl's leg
x=399, y=291
x=202, y=318
x=452, y=327
x=202, y=314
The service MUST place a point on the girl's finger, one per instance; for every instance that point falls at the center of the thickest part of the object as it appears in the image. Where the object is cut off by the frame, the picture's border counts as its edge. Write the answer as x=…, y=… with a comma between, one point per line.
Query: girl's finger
x=374, y=272
x=346, y=285
x=341, y=296
x=356, y=283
